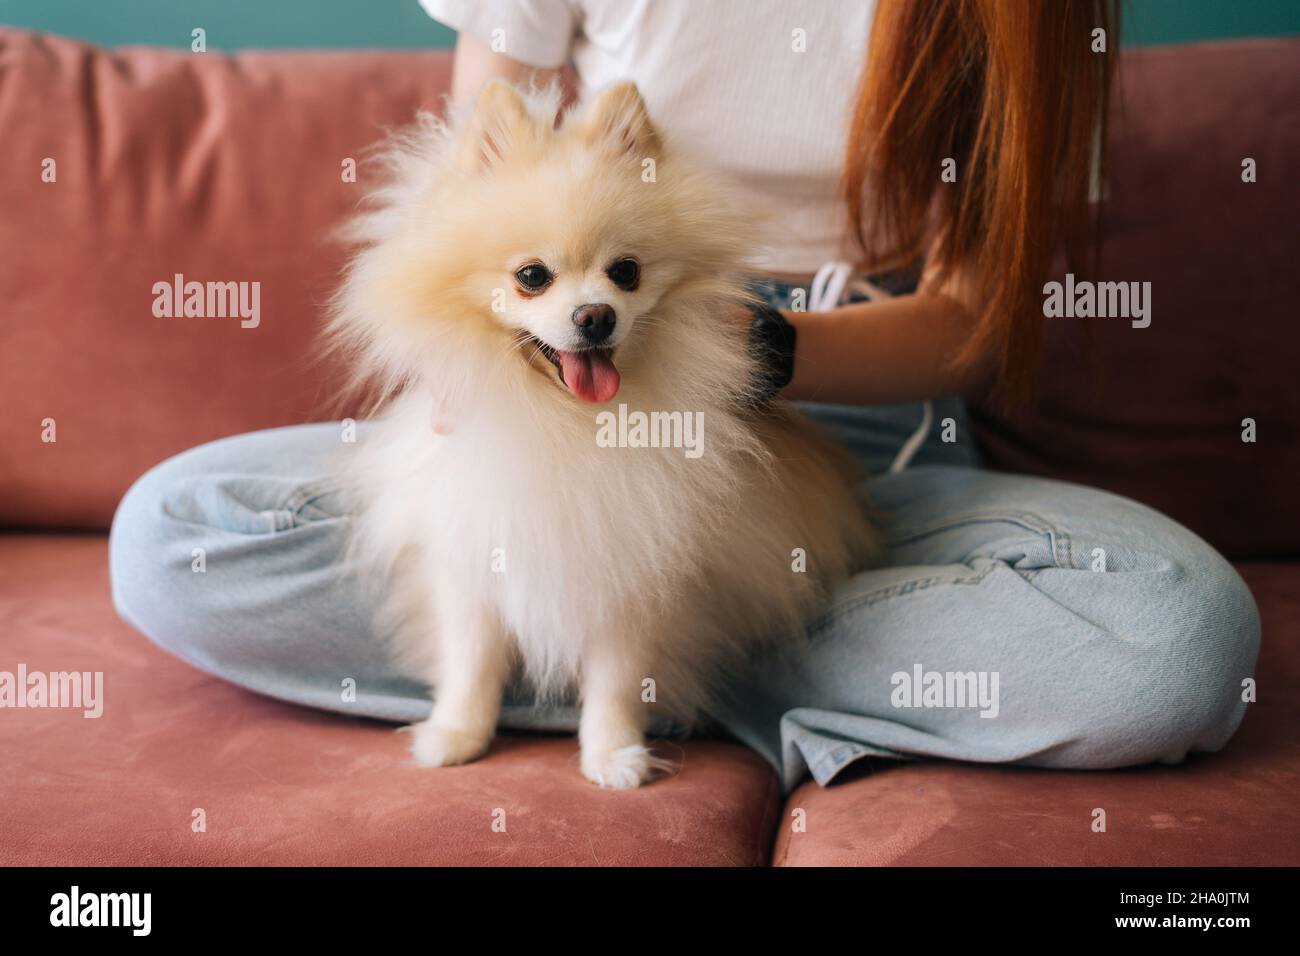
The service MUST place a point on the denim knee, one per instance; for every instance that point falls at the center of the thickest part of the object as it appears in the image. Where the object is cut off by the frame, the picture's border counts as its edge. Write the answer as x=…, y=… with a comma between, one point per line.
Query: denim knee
x=1188, y=680
x=1215, y=658
x=148, y=556
x=172, y=578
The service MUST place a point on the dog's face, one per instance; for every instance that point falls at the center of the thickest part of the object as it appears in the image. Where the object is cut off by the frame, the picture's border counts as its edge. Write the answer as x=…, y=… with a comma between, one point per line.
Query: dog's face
x=577, y=237
x=578, y=254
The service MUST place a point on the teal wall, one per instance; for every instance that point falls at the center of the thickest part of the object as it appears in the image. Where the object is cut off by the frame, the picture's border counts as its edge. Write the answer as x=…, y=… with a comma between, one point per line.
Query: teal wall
x=1181, y=21
x=235, y=24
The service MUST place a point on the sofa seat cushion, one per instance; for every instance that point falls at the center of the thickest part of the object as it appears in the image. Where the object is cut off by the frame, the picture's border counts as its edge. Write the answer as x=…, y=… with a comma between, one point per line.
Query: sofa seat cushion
x=1237, y=807
x=282, y=785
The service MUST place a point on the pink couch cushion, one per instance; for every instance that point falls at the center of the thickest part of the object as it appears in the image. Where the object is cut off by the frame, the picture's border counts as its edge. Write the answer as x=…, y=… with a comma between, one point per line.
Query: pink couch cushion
x=1234, y=808
x=282, y=785
x=1156, y=413
x=220, y=168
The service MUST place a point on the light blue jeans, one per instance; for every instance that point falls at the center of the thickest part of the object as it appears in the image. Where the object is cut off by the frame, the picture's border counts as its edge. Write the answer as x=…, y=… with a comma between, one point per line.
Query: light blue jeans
x=986, y=574
x=1015, y=620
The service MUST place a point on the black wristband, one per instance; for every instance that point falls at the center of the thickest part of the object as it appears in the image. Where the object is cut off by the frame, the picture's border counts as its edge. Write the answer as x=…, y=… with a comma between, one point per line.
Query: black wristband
x=772, y=342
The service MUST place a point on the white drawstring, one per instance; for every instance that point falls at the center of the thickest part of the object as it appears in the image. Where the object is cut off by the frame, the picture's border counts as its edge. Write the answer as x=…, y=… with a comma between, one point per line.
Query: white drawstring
x=828, y=286
x=827, y=290
x=917, y=439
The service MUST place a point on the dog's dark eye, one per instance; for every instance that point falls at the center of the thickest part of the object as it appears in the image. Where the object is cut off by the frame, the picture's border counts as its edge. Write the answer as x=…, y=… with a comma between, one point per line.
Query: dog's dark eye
x=625, y=273
x=534, y=277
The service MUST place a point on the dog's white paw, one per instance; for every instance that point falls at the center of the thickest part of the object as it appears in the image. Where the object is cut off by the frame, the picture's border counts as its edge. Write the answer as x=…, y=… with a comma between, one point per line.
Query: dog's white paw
x=622, y=768
x=434, y=746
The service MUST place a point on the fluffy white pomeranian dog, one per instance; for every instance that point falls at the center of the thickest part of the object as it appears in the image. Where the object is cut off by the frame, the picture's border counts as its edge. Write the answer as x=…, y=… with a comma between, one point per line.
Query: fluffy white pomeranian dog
x=517, y=277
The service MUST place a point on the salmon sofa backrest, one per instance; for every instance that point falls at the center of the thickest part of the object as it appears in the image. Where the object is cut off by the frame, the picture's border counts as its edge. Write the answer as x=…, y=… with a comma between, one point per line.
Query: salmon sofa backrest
x=125, y=175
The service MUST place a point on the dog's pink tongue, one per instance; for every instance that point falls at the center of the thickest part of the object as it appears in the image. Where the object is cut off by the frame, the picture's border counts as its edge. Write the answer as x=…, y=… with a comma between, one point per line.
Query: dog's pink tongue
x=590, y=375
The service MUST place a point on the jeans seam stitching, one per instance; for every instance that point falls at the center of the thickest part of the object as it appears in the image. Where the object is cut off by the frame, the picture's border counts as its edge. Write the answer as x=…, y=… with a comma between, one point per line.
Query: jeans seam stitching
x=895, y=590
x=1027, y=520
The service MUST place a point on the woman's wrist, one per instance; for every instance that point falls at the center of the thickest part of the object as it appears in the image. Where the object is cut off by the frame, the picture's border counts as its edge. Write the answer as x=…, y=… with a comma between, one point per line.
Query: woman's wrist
x=882, y=352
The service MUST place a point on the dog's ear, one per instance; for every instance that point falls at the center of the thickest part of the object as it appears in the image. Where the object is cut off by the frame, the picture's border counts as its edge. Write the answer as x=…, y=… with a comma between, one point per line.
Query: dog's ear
x=499, y=118
x=618, y=117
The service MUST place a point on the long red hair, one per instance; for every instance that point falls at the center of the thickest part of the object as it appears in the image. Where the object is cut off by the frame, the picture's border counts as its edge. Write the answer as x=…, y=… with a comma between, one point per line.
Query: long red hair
x=1013, y=91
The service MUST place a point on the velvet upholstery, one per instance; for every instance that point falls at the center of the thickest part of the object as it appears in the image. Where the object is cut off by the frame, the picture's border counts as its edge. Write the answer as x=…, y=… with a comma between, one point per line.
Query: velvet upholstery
x=219, y=168
x=281, y=784
x=1157, y=413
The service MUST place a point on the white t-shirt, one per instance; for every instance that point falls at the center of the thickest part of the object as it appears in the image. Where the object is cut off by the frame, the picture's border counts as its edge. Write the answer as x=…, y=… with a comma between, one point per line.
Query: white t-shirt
x=761, y=89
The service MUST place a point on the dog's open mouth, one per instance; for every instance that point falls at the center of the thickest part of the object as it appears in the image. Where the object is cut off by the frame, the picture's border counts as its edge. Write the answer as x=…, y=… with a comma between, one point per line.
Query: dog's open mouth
x=589, y=374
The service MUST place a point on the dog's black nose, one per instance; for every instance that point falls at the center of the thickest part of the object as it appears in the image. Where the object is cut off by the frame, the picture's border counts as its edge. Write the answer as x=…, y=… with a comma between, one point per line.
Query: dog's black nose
x=595, y=322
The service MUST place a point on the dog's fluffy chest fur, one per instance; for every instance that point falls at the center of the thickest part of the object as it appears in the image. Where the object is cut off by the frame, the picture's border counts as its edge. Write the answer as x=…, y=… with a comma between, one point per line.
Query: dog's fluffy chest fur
x=567, y=540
